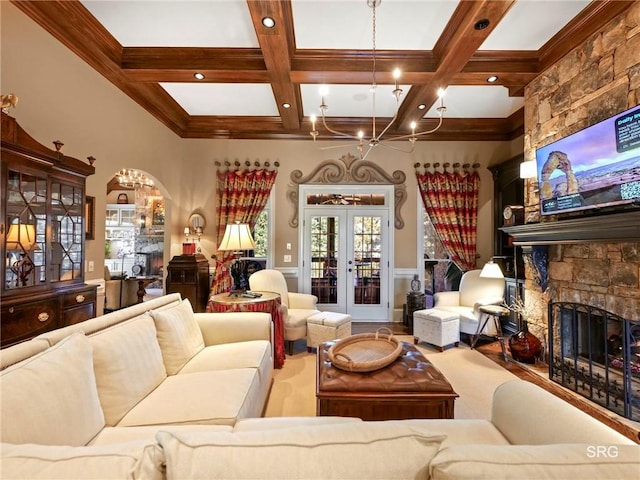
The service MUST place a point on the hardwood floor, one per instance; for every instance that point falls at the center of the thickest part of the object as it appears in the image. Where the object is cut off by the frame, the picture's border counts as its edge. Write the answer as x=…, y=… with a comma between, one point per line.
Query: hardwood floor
x=531, y=373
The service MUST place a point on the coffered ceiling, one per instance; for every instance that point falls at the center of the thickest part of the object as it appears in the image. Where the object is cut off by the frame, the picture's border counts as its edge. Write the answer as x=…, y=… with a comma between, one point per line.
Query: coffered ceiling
x=152, y=49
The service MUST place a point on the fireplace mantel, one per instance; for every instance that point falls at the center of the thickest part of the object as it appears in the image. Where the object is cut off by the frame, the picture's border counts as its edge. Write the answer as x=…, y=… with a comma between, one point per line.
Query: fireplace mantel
x=615, y=227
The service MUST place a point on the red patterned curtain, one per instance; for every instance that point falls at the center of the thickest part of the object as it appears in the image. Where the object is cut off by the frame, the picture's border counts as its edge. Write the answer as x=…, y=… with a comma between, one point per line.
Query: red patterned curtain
x=451, y=201
x=242, y=195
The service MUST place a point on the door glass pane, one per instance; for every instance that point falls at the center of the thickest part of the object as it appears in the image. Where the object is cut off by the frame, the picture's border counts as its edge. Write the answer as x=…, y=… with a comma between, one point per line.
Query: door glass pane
x=67, y=232
x=342, y=199
x=324, y=258
x=25, y=236
x=367, y=238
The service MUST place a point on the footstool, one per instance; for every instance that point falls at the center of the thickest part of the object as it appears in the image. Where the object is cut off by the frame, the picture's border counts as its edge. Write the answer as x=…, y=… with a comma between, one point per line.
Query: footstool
x=325, y=326
x=437, y=327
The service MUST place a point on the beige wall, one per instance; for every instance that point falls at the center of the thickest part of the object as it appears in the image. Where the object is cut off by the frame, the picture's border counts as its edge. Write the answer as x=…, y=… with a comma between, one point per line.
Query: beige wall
x=60, y=97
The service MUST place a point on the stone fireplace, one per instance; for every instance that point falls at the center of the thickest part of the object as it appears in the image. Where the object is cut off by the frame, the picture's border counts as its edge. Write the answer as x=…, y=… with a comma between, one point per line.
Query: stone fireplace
x=592, y=299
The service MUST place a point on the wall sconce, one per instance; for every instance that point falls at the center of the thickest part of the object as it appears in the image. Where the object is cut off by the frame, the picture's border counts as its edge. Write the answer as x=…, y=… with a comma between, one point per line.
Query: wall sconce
x=197, y=224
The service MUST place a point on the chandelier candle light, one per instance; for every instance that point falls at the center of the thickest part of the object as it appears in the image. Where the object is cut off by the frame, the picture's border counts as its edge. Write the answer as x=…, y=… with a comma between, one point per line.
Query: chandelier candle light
x=376, y=139
x=133, y=179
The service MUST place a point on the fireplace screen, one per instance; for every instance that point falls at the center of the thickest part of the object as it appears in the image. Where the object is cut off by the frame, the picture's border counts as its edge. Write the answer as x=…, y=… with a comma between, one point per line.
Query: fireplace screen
x=596, y=354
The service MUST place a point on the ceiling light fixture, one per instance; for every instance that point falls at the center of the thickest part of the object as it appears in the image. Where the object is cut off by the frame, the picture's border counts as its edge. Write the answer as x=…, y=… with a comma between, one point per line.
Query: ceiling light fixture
x=268, y=22
x=376, y=138
x=492, y=79
x=482, y=24
x=133, y=179
x=286, y=105
x=199, y=76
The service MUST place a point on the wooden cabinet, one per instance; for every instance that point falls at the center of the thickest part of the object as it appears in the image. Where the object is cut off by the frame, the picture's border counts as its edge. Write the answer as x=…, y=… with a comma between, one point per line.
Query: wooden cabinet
x=188, y=275
x=42, y=235
x=508, y=190
x=511, y=324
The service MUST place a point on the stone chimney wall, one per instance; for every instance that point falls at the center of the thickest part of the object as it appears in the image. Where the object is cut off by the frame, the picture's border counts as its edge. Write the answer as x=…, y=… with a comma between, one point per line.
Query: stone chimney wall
x=593, y=82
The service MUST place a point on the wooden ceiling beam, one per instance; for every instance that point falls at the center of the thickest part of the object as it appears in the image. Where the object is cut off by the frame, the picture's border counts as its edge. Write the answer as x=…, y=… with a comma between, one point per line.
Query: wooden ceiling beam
x=277, y=45
x=453, y=50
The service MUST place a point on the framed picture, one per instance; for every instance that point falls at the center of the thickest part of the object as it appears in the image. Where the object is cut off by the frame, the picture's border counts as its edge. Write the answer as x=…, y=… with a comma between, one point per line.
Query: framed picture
x=90, y=218
x=157, y=208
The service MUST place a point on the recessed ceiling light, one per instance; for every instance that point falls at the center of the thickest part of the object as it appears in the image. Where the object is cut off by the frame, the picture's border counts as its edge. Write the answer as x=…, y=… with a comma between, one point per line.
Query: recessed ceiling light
x=199, y=76
x=268, y=22
x=286, y=105
x=482, y=24
x=492, y=79
x=422, y=106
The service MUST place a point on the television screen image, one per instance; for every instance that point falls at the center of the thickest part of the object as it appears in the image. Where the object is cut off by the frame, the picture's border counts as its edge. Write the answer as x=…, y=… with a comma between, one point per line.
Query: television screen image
x=596, y=167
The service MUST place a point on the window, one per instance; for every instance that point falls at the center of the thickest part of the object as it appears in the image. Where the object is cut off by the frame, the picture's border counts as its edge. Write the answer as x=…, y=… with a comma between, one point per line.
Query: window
x=262, y=234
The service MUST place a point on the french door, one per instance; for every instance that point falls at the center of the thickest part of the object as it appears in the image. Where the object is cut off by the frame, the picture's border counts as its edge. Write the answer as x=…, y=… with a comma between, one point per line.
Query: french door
x=346, y=247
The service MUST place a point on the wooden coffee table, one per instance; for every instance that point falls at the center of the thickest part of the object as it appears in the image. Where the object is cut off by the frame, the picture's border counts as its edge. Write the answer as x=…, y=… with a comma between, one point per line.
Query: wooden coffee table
x=410, y=387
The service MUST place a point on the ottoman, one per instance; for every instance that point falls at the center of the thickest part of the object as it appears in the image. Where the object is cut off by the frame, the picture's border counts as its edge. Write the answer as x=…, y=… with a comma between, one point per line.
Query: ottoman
x=325, y=326
x=437, y=327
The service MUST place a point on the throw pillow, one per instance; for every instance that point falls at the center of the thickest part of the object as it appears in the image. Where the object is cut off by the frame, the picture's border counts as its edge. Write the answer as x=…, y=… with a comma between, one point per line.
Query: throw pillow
x=557, y=461
x=123, y=460
x=52, y=398
x=371, y=450
x=128, y=365
x=179, y=335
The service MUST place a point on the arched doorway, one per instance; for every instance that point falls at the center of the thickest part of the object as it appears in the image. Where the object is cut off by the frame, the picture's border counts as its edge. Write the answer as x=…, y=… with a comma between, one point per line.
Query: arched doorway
x=134, y=239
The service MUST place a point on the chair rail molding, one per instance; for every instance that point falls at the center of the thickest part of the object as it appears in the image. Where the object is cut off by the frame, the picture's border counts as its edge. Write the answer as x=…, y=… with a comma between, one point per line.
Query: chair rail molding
x=348, y=170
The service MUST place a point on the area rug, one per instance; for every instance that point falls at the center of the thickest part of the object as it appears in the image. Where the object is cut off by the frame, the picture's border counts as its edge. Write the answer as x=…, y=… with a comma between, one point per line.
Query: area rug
x=473, y=377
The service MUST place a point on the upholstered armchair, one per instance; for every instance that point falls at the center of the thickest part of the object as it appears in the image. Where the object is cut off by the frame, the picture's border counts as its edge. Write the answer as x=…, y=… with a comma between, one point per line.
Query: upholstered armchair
x=296, y=307
x=113, y=298
x=474, y=291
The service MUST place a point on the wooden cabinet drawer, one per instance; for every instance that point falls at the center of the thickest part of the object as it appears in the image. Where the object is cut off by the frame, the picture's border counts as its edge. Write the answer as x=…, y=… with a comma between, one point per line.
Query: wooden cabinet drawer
x=80, y=313
x=79, y=297
x=26, y=320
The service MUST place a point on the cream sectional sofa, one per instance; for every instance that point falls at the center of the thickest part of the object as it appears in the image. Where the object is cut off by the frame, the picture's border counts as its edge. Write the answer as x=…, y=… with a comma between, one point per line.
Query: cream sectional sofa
x=79, y=403
x=155, y=363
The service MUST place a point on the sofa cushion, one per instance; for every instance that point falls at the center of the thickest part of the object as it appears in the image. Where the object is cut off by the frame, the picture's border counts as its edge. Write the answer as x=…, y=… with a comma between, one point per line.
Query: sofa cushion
x=64, y=462
x=566, y=461
x=277, y=423
x=179, y=335
x=252, y=354
x=110, y=435
x=51, y=398
x=128, y=365
x=463, y=431
x=216, y=398
x=372, y=450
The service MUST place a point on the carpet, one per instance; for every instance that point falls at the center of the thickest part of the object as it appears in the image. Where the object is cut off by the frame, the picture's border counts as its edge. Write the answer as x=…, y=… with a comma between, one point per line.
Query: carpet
x=473, y=377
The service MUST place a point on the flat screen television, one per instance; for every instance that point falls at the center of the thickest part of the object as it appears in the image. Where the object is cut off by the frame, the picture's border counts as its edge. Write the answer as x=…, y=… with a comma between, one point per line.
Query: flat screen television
x=595, y=168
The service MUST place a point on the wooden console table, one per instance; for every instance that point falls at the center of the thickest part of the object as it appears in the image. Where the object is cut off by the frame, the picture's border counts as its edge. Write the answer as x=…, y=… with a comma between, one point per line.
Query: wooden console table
x=269, y=302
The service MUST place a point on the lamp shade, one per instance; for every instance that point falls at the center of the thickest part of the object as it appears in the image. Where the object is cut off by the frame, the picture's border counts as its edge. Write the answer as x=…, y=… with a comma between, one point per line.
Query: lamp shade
x=491, y=270
x=528, y=169
x=237, y=236
x=21, y=236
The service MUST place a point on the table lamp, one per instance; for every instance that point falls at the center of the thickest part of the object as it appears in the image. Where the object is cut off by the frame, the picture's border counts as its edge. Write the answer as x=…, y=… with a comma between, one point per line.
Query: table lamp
x=237, y=238
x=491, y=270
x=22, y=238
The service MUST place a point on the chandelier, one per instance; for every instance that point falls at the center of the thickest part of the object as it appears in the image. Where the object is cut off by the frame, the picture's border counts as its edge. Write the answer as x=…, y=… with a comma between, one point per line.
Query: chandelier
x=133, y=179
x=376, y=138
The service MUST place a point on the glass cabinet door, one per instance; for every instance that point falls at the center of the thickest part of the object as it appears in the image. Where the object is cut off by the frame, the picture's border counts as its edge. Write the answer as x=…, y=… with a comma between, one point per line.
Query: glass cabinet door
x=67, y=231
x=26, y=221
